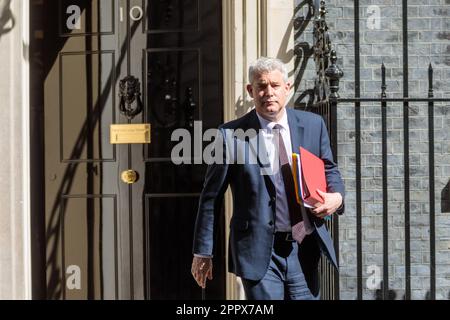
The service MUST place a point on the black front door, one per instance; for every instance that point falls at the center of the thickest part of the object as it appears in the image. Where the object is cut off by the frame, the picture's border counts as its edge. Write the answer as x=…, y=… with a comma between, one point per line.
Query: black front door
x=107, y=239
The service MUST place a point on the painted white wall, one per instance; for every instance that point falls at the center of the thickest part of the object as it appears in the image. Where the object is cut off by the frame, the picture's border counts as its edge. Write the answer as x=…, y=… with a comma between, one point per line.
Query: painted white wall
x=15, y=255
x=280, y=32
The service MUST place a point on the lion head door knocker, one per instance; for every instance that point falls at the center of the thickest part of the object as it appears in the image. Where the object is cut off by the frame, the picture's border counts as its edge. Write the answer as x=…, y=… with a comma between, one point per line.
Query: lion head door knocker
x=130, y=92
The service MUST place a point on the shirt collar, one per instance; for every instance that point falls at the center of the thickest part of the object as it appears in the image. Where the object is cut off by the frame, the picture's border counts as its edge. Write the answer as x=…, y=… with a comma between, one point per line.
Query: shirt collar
x=266, y=124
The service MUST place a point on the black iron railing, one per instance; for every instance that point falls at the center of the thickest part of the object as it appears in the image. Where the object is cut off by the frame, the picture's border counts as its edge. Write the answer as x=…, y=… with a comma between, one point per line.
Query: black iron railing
x=383, y=101
x=324, y=100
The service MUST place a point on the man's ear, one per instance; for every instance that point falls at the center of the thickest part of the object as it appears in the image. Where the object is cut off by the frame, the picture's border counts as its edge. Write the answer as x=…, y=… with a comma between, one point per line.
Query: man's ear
x=288, y=86
x=250, y=90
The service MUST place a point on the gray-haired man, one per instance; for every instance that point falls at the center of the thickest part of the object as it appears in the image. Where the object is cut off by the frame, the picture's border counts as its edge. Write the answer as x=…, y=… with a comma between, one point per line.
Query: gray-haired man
x=262, y=250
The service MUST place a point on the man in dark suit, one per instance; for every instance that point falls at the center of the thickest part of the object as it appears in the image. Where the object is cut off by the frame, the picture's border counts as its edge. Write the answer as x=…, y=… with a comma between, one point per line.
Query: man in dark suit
x=262, y=250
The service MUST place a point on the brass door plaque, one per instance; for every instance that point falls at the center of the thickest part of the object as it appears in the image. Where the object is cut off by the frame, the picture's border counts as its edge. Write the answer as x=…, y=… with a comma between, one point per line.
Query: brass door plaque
x=130, y=133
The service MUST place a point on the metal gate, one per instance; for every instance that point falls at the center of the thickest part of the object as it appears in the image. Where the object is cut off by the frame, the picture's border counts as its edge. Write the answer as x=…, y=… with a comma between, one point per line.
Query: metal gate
x=325, y=101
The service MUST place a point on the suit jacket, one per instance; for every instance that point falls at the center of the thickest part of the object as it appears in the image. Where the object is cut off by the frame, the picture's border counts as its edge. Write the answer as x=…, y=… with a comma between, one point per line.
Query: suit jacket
x=252, y=224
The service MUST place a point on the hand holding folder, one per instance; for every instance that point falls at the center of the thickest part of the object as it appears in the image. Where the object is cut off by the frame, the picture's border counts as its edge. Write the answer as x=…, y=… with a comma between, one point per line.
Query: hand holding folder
x=309, y=176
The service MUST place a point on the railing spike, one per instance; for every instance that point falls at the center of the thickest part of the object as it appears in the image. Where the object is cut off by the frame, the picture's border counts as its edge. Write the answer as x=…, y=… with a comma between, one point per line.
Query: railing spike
x=334, y=73
x=430, y=81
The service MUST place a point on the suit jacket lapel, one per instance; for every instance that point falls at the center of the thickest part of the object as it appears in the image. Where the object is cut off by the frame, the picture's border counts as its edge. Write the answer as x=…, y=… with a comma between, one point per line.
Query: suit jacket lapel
x=296, y=129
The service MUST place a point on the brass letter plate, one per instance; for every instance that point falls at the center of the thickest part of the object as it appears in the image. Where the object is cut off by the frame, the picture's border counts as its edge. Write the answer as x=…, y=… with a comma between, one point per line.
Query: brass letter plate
x=130, y=133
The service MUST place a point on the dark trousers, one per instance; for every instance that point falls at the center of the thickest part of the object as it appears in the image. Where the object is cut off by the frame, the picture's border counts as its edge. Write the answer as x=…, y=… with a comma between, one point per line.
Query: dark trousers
x=284, y=279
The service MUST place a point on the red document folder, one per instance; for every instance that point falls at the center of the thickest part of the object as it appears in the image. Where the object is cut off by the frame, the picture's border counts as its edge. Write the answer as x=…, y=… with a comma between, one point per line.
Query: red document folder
x=313, y=177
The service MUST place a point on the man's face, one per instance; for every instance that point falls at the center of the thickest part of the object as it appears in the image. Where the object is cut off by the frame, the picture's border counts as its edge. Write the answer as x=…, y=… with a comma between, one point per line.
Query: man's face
x=269, y=92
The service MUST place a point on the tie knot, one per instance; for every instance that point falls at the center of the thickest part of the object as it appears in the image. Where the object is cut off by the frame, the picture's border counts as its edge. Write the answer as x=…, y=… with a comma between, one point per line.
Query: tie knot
x=278, y=126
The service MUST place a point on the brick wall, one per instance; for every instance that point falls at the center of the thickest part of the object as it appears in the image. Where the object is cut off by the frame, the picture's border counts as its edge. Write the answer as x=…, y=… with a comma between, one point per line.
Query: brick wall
x=429, y=42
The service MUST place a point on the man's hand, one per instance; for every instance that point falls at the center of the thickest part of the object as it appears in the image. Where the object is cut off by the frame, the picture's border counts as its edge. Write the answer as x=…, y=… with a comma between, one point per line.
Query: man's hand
x=201, y=268
x=332, y=201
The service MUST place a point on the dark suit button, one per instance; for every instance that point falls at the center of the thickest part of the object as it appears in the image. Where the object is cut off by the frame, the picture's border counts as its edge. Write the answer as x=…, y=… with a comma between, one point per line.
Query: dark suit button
x=272, y=201
x=270, y=223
